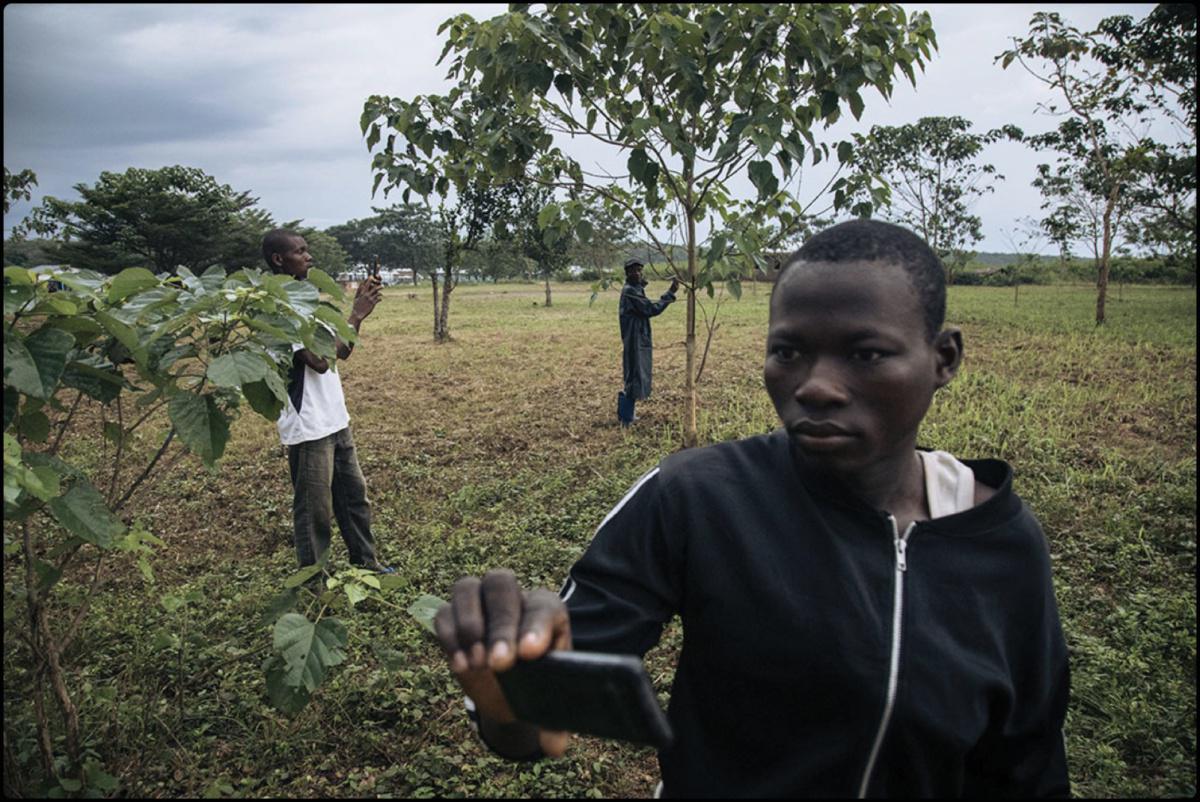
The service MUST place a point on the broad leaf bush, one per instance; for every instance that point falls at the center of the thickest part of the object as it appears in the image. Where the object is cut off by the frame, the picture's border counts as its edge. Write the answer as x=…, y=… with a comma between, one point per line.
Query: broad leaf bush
x=82, y=349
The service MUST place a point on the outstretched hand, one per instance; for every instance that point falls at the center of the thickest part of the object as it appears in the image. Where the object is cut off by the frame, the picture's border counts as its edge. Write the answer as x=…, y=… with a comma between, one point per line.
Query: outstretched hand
x=674, y=286
x=370, y=293
x=489, y=625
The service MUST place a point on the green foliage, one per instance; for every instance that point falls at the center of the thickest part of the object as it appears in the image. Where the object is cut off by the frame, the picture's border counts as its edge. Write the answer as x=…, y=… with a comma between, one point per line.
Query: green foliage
x=934, y=176
x=17, y=187
x=132, y=345
x=1108, y=171
x=164, y=219
x=400, y=236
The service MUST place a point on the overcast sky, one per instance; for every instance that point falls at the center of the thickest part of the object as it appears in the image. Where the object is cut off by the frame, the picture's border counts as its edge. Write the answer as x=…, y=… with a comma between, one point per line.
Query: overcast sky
x=267, y=98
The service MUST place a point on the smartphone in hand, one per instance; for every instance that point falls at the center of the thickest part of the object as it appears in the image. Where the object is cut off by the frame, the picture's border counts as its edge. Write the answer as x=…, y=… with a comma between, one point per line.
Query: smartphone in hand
x=606, y=695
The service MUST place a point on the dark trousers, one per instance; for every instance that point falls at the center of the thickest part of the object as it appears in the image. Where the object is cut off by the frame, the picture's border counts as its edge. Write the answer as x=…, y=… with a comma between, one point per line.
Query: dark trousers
x=327, y=483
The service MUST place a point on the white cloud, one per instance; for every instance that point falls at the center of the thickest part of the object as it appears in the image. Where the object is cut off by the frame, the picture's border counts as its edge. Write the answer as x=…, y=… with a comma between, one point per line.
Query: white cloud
x=267, y=98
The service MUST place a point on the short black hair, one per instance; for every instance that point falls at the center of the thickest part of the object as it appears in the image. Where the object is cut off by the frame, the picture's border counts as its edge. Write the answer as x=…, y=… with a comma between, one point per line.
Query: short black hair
x=877, y=241
x=277, y=240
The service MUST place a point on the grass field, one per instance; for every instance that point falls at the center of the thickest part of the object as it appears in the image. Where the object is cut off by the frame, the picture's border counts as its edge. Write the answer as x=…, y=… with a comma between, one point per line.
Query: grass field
x=501, y=449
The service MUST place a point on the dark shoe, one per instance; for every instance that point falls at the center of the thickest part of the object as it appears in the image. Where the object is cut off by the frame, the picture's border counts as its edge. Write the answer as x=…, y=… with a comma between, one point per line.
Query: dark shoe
x=625, y=407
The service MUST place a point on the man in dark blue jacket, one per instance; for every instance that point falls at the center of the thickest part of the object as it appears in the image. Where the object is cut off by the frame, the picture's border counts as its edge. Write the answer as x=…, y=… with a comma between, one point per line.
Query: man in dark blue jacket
x=637, y=349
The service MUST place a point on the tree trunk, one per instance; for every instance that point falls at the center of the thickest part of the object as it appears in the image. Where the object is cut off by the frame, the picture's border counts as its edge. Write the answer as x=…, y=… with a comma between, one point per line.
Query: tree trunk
x=433, y=279
x=547, y=290
x=690, y=436
x=1105, y=257
x=443, y=327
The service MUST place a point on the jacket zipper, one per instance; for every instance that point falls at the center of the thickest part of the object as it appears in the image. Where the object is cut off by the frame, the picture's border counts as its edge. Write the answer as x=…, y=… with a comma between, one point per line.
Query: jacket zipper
x=901, y=545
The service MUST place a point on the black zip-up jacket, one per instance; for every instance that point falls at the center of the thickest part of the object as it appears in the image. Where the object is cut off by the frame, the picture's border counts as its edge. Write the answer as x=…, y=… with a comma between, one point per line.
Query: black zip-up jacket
x=824, y=655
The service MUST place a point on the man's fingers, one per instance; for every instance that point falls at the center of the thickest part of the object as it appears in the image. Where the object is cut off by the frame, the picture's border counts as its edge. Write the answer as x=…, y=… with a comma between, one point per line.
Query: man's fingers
x=447, y=635
x=545, y=625
x=469, y=620
x=502, y=602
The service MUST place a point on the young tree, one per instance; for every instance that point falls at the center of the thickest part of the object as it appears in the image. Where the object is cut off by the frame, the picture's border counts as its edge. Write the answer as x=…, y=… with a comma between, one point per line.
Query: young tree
x=462, y=228
x=520, y=225
x=935, y=178
x=1073, y=195
x=689, y=96
x=1115, y=83
x=1025, y=240
x=162, y=219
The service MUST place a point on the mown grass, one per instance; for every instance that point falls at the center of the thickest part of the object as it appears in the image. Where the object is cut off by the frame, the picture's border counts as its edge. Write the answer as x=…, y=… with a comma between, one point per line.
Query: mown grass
x=501, y=449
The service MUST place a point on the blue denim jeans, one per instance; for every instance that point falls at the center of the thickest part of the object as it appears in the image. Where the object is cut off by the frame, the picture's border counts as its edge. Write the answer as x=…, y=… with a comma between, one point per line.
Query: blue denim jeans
x=327, y=483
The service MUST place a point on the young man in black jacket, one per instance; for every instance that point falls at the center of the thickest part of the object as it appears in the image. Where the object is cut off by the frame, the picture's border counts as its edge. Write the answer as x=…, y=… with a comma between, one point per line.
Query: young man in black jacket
x=862, y=617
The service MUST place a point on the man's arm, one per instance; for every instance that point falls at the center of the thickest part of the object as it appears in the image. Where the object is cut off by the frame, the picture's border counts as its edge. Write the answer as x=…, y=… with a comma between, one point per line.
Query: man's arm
x=641, y=306
x=370, y=292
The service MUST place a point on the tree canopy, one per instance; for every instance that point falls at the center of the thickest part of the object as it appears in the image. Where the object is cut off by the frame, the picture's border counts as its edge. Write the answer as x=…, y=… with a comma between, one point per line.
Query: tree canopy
x=163, y=219
x=933, y=170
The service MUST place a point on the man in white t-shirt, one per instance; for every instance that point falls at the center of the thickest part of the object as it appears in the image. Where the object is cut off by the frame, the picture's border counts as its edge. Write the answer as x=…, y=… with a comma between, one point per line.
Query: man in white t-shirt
x=327, y=481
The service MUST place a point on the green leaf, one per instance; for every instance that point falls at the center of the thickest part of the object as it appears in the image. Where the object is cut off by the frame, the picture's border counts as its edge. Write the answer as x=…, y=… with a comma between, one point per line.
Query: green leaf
x=47, y=575
x=20, y=371
x=237, y=368
x=284, y=697
x=97, y=777
x=325, y=283
x=35, y=364
x=103, y=385
x=262, y=400
x=201, y=425
x=11, y=401
x=355, y=592
x=16, y=297
x=638, y=165
x=309, y=650
x=124, y=335
x=129, y=281
x=845, y=152
x=424, y=609
x=70, y=785
x=390, y=659
x=763, y=177
x=34, y=426
x=83, y=513
x=335, y=319
x=283, y=603
x=171, y=602
x=18, y=276
x=304, y=574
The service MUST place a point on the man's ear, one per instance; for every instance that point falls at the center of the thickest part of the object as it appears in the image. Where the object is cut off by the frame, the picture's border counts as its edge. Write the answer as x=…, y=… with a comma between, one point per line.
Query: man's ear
x=948, y=349
x=277, y=260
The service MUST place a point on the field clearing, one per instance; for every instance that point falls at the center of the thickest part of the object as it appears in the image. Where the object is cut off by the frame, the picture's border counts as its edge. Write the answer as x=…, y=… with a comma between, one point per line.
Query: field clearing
x=501, y=448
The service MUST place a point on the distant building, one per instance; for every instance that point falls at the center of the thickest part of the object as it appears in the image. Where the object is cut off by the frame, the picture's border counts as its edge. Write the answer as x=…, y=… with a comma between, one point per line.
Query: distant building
x=350, y=279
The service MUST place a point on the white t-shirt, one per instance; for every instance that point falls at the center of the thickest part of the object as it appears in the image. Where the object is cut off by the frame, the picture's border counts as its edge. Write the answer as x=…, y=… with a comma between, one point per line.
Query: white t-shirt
x=949, y=485
x=322, y=408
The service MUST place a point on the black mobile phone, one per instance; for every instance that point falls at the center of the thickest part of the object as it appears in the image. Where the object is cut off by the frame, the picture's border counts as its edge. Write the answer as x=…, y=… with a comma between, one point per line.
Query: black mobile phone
x=606, y=695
